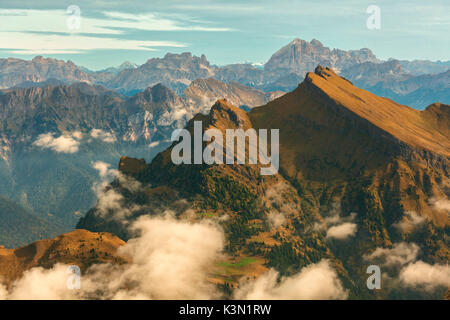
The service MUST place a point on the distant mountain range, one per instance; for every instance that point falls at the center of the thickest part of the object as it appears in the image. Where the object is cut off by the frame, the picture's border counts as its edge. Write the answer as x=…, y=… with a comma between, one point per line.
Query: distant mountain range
x=390, y=79
x=115, y=70
x=283, y=71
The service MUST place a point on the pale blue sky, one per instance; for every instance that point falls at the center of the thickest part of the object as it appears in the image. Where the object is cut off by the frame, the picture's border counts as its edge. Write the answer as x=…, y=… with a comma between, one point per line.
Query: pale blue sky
x=227, y=31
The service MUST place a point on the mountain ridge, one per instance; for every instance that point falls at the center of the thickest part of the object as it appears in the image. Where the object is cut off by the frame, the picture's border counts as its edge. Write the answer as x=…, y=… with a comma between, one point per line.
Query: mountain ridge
x=340, y=159
x=283, y=71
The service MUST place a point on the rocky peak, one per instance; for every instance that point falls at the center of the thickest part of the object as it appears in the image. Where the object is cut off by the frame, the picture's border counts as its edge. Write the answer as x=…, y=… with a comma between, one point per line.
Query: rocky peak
x=127, y=65
x=297, y=41
x=300, y=57
x=203, y=93
x=204, y=60
x=316, y=43
x=40, y=69
x=185, y=57
x=324, y=72
x=368, y=74
x=174, y=70
x=158, y=93
x=224, y=115
x=131, y=166
x=157, y=96
x=364, y=53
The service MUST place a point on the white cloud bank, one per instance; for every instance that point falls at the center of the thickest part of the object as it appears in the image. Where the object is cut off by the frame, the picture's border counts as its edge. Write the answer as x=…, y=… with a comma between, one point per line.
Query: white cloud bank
x=400, y=254
x=169, y=259
x=277, y=219
x=342, y=231
x=102, y=135
x=110, y=203
x=41, y=284
x=410, y=221
x=426, y=276
x=336, y=226
x=441, y=204
x=65, y=143
x=316, y=281
x=413, y=274
x=3, y=292
x=69, y=142
x=280, y=207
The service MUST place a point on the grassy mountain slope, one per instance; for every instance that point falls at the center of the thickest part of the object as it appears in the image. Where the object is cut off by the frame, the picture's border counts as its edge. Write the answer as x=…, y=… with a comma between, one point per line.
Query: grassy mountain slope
x=80, y=247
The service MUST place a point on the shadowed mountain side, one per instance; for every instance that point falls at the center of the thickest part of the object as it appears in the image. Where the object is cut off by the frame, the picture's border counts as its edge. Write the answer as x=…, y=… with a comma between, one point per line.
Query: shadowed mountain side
x=18, y=226
x=324, y=93
x=333, y=132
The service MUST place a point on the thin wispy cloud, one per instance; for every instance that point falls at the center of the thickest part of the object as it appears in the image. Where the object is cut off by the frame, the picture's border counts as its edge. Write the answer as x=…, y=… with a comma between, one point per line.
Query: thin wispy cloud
x=66, y=143
x=26, y=43
x=231, y=7
x=153, y=22
x=47, y=32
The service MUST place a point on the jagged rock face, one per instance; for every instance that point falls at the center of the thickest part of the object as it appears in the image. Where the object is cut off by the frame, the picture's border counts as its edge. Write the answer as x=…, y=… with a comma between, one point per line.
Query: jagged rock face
x=297, y=58
x=162, y=111
x=177, y=71
x=224, y=115
x=419, y=91
x=115, y=70
x=56, y=108
x=368, y=74
x=242, y=73
x=16, y=71
x=341, y=148
x=420, y=67
x=300, y=57
x=156, y=99
x=166, y=111
x=204, y=92
x=174, y=71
